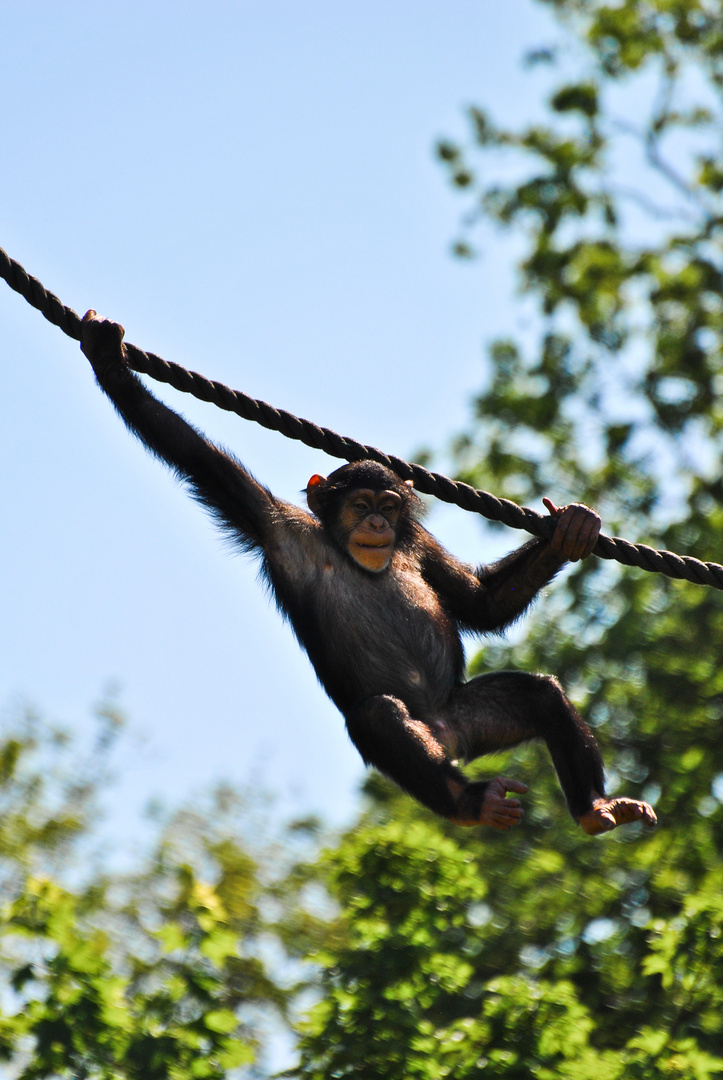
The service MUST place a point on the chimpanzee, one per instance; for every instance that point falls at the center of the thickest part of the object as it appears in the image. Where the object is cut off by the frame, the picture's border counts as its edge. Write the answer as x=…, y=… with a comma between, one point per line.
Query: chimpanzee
x=378, y=605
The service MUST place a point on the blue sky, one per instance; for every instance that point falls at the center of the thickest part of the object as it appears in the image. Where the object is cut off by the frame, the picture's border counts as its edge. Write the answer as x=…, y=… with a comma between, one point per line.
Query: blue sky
x=250, y=188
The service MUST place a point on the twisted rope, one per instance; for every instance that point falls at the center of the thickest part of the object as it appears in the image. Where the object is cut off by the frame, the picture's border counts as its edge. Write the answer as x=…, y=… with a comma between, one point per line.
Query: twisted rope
x=320, y=438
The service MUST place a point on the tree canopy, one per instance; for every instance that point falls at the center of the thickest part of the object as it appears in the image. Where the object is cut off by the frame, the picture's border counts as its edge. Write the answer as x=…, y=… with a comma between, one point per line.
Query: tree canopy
x=540, y=952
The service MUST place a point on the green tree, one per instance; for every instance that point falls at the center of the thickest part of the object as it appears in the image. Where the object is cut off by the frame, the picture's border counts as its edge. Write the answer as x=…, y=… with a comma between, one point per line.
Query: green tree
x=541, y=952
x=159, y=973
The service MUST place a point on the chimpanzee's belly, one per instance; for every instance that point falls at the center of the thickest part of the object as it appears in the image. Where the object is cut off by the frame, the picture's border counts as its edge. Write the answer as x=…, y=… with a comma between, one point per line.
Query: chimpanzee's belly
x=389, y=637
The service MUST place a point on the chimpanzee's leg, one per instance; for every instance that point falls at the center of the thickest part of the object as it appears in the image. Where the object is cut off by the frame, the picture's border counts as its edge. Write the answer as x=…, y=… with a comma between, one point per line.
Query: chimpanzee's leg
x=486, y=714
x=505, y=708
x=417, y=755
x=509, y=707
x=407, y=750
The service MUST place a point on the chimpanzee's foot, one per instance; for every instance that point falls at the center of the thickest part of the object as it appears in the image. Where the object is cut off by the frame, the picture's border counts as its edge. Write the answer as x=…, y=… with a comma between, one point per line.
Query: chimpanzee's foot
x=607, y=814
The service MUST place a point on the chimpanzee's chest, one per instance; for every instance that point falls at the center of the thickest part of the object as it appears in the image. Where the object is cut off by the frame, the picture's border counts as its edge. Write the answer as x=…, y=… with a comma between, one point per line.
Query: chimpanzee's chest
x=385, y=633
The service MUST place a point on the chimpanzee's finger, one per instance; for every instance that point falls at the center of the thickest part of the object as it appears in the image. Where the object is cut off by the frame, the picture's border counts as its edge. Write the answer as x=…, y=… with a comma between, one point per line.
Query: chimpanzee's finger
x=576, y=533
x=514, y=785
x=589, y=536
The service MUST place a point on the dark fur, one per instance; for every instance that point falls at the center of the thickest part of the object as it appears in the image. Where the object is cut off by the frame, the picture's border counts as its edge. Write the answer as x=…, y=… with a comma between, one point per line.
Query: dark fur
x=385, y=646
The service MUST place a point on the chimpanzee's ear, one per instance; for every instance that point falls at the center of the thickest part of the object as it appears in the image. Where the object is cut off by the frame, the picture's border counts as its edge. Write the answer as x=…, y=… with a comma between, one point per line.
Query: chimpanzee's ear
x=312, y=493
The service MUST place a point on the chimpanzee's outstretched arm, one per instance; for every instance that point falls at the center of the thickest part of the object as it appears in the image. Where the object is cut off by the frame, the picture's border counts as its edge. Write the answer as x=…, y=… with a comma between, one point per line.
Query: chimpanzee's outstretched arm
x=492, y=597
x=216, y=479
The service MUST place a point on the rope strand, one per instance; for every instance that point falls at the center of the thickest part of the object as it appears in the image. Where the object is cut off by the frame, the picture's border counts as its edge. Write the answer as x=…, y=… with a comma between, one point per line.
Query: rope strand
x=683, y=567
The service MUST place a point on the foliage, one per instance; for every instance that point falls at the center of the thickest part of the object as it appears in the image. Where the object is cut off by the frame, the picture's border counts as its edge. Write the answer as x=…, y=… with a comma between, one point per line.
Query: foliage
x=86, y=1019
x=47, y=804
x=542, y=952
x=157, y=975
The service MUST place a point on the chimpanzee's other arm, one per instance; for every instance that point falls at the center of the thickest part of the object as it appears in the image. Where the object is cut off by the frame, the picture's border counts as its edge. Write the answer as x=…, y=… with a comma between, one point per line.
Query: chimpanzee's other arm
x=218, y=480
x=494, y=596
